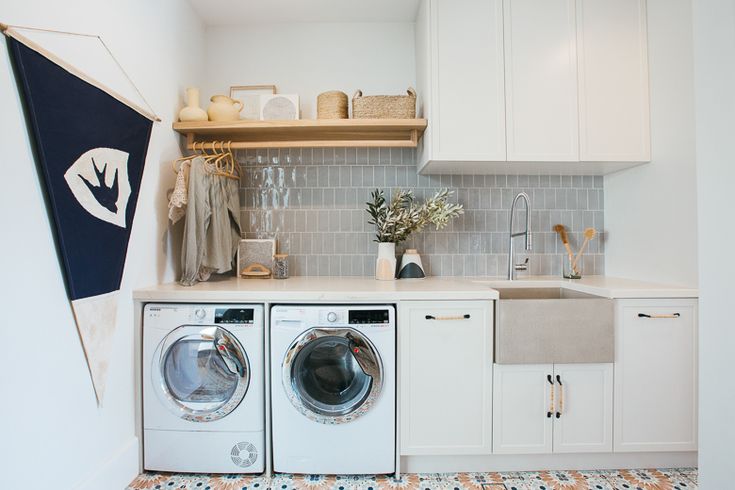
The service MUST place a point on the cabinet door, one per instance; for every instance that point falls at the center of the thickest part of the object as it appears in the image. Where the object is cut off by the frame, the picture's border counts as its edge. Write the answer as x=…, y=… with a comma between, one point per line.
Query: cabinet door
x=445, y=351
x=584, y=403
x=613, y=80
x=467, y=69
x=522, y=401
x=655, y=375
x=541, y=80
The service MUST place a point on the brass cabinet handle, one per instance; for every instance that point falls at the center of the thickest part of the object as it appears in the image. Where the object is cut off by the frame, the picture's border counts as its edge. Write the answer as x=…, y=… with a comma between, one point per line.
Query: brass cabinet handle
x=551, y=396
x=456, y=317
x=561, y=397
x=660, y=315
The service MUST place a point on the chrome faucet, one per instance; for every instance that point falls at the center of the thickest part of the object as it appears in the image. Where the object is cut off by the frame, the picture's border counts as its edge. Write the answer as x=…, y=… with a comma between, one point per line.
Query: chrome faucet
x=523, y=266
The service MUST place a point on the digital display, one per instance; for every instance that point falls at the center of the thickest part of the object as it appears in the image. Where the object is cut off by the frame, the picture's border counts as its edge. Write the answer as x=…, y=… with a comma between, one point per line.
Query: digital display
x=233, y=315
x=368, y=316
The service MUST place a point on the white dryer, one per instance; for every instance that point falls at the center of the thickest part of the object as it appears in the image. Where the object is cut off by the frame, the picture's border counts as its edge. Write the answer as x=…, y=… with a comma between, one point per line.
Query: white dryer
x=203, y=388
x=333, y=389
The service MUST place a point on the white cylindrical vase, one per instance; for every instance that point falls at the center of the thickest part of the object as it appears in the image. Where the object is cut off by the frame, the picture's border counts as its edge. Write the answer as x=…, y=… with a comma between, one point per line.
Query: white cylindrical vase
x=385, y=266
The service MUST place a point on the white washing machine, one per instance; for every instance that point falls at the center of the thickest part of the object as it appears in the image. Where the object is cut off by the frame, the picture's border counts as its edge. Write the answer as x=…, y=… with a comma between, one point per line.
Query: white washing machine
x=203, y=388
x=333, y=389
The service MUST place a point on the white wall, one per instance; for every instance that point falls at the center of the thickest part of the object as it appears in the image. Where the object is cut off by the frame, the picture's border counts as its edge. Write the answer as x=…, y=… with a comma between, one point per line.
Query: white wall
x=52, y=435
x=714, y=50
x=651, y=210
x=310, y=58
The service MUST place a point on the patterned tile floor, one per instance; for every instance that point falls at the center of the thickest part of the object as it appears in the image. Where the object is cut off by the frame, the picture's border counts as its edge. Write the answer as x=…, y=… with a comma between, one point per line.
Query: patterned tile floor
x=644, y=479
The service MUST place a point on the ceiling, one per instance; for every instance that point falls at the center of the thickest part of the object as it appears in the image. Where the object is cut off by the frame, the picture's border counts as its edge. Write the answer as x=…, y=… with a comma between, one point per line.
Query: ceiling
x=237, y=12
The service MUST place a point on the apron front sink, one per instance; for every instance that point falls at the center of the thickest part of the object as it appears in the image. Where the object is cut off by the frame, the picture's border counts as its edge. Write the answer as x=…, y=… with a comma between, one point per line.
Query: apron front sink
x=536, y=325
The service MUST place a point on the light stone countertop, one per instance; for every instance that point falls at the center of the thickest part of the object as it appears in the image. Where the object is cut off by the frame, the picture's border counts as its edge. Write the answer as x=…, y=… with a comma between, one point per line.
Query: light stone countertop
x=360, y=289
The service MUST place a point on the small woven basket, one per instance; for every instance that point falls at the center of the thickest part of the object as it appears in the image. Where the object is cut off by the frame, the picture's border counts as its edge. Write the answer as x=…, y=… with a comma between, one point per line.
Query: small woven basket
x=332, y=105
x=384, y=106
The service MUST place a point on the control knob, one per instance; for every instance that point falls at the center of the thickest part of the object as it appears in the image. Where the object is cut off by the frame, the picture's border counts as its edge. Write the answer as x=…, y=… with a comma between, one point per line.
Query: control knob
x=200, y=314
x=331, y=317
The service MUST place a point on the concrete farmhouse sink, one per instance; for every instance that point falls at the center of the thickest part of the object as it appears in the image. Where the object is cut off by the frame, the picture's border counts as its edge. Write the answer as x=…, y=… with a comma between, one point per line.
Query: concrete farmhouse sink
x=538, y=325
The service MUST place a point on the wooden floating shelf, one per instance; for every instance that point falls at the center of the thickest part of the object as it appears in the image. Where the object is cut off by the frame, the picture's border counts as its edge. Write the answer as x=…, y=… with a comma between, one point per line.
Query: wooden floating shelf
x=307, y=133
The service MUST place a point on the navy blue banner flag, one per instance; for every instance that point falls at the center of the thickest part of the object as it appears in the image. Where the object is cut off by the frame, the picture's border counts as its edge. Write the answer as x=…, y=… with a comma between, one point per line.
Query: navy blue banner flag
x=90, y=150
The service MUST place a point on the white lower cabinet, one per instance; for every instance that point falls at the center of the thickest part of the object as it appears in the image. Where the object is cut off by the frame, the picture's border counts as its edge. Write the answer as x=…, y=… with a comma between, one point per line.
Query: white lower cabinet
x=445, y=377
x=656, y=375
x=585, y=424
x=544, y=408
x=522, y=408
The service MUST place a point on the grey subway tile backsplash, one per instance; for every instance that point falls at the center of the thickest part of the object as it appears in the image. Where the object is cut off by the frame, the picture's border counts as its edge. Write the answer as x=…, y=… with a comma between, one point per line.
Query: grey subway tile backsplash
x=313, y=202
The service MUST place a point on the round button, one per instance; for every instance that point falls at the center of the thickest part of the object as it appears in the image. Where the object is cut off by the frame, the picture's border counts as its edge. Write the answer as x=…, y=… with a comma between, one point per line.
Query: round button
x=200, y=314
x=332, y=316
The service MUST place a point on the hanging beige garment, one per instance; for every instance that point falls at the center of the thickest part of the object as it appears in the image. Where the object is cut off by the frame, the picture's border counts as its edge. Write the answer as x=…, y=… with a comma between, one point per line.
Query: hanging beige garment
x=212, y=226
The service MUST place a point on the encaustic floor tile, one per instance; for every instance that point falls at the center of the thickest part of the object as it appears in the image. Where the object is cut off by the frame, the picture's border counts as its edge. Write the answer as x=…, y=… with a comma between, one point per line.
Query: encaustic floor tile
x=641, y=479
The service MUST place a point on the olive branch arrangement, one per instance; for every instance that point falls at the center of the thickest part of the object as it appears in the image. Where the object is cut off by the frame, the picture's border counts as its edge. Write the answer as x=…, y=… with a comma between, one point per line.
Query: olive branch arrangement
x=397, y=219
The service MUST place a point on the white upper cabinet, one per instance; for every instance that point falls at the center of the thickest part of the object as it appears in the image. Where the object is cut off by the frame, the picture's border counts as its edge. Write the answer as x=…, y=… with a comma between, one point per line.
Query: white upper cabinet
x=532, y=86
x=461, y=57
x=613, y=81
x=541, y=80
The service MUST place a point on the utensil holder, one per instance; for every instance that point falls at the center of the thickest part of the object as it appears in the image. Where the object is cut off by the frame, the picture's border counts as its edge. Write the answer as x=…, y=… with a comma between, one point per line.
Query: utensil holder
x=570, y=272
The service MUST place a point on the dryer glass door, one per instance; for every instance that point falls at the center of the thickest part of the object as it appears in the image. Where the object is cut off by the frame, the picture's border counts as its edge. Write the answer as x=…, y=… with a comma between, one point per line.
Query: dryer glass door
x=332, y=375
x=204, y=372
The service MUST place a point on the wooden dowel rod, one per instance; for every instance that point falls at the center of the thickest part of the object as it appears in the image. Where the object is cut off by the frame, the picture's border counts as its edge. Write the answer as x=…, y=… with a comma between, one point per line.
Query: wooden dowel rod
x=246, y=145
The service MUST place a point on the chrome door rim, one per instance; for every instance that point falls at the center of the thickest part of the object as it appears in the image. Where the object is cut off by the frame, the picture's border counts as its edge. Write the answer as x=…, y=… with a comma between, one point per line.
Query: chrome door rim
x=227, y=343
x=372, y=366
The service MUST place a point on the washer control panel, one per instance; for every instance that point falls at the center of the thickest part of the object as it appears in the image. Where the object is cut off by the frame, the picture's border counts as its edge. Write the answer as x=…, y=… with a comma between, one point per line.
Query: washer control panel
x=305, y=316
x=375, y=317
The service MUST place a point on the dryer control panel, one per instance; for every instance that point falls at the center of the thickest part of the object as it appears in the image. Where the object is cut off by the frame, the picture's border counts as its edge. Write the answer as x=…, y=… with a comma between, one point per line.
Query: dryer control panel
x=241, y=316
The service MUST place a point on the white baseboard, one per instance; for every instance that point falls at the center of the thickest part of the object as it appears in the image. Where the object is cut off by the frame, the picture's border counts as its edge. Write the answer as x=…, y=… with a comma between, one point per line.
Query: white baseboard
x=536, y=462
x=115, y=474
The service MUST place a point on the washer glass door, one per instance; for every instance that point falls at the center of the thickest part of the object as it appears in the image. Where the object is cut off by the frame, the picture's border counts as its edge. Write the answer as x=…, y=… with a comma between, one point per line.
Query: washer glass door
x=332, y=375
x=203, y=372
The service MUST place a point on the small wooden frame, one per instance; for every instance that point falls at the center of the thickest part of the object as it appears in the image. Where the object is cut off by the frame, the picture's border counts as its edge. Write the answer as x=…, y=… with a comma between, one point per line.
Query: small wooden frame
x=249, y=95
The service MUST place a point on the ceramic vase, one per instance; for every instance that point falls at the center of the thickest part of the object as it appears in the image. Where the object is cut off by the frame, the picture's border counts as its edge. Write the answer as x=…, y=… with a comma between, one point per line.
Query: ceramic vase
x=385, y=267
x=192, y=111
x=224, y=108
x=411, y=267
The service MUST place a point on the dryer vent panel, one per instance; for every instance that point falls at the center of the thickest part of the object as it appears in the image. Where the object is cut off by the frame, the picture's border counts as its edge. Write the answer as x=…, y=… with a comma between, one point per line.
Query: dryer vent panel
x=244, y=454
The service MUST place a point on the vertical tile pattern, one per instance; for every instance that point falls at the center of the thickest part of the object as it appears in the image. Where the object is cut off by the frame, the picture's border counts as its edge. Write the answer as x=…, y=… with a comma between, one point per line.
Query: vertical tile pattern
x=313, y=201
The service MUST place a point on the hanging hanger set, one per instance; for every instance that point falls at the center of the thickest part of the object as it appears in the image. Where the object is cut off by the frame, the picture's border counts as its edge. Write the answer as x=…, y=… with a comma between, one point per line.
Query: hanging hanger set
x=218, y=159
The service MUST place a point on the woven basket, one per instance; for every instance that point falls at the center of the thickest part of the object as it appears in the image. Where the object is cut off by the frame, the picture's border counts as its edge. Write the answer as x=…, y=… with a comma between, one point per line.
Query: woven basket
x=384, y=106
x=331, y=105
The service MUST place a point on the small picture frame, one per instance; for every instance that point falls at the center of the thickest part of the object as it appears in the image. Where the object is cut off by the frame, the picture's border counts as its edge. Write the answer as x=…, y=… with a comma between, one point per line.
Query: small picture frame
x=255, y=257
x=249, y=95
x=279, y=107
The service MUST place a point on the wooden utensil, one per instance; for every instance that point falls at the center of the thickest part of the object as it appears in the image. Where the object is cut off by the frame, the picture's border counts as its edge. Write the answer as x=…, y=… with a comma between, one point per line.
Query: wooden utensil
x=564, y=239
x=589, y=234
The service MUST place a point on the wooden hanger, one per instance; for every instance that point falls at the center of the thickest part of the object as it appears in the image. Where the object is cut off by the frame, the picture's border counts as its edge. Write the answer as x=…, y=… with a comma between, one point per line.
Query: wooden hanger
x=183, y=160
x=226, y=163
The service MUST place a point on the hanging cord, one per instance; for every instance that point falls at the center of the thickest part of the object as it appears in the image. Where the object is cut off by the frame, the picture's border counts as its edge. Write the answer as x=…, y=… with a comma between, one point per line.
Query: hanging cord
x=127, y=76
x=6, y=27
